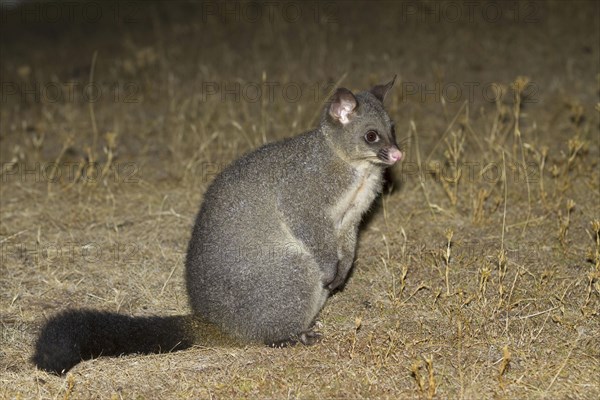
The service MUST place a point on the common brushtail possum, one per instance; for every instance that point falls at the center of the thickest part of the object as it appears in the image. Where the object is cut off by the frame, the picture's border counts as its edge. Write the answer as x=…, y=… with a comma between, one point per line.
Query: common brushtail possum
x=275, y=235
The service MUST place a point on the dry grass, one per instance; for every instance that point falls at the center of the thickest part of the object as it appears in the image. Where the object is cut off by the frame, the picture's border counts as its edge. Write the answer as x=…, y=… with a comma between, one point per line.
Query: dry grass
x=477, y=275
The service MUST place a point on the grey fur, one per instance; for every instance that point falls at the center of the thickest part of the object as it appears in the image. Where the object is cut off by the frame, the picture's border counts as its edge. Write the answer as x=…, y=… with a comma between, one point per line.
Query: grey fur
x=277, y=229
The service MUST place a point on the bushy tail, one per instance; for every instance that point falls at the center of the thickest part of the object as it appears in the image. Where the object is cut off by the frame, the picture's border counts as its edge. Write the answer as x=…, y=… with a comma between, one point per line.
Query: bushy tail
x=77, y=335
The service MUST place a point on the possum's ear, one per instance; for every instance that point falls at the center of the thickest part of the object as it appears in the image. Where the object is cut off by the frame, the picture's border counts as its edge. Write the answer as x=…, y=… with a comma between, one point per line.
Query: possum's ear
x=341, y=105
x=380, y=91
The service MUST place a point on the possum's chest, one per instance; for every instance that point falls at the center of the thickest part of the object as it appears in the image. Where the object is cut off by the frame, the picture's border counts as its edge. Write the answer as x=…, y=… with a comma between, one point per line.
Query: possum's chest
x=357, y=198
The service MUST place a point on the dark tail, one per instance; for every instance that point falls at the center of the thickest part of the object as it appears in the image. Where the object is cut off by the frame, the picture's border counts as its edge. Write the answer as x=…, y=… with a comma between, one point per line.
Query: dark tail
x=77, y=335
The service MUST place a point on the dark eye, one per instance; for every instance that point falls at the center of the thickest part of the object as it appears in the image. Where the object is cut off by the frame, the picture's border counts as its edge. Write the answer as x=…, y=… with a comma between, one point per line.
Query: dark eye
x=371, y=137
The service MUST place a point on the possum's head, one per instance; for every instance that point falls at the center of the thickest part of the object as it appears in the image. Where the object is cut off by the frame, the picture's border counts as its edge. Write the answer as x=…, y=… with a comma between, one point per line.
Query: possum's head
x=359, y=128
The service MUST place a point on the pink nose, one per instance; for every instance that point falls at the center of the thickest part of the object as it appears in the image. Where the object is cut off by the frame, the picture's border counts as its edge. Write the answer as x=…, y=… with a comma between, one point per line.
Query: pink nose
x=395, y=155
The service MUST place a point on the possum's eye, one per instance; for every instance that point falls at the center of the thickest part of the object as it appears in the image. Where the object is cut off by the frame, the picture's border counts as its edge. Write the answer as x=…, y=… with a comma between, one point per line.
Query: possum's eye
x=372, y=137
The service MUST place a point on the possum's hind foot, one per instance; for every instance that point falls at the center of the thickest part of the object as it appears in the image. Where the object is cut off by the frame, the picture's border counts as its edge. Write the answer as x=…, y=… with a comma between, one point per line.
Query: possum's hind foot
x=307, y=338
